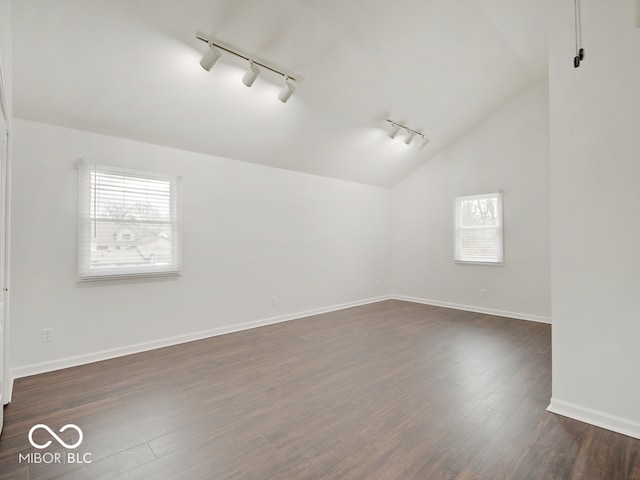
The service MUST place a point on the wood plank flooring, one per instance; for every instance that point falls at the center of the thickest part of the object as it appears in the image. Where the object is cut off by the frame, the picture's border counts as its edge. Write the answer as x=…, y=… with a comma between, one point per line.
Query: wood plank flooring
x=391, y=390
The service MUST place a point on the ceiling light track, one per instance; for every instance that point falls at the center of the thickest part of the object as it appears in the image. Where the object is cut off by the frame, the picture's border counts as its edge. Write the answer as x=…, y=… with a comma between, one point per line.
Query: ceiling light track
x=410, y=133
x=244, y=57
x=213, y=55
x=578, y=31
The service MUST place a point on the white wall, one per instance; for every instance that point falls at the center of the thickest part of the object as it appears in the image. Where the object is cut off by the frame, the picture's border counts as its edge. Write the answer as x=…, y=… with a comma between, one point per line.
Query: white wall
x=595, y=228
x=250, y=233
x=508, y=151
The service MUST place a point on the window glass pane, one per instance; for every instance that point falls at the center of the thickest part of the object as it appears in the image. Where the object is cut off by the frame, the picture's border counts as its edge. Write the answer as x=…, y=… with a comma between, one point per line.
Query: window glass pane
x=116, y=244
x=479, y=244
x=125, y=197
x=478, y=212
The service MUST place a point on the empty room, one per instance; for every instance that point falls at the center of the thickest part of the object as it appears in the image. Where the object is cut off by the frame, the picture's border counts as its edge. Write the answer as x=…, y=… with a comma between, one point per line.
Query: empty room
x=296, y=240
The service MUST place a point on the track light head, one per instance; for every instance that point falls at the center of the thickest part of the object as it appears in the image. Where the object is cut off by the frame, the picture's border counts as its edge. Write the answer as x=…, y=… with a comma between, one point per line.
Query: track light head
x=409, y=138
x=424, y=142
x=394, y=130
x=251, y=75
x=210, y=58
x=287, y=91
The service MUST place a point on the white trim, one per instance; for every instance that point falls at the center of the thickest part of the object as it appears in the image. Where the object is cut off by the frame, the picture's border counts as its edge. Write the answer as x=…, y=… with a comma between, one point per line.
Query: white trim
x=6, y=201
x=4, y=105
x=9, y=384
x=595, y=417
x=472, y=308
x=74, y=361
x=472, y=262
x=8, y=378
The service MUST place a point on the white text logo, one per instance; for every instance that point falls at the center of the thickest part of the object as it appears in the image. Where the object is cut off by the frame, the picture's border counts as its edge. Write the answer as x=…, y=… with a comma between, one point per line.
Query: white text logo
x=57, y=438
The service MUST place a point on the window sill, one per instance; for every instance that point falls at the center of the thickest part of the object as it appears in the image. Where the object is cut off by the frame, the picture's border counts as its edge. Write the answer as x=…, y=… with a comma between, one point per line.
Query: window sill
x=477, y=262
x=125, y=276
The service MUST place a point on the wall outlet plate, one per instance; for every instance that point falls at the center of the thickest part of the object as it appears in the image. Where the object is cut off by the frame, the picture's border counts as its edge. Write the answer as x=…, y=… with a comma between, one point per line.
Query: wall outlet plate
x=47, y=335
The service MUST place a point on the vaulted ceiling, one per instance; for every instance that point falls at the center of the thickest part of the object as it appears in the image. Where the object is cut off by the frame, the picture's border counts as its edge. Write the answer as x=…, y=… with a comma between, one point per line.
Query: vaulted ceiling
x=130, y=68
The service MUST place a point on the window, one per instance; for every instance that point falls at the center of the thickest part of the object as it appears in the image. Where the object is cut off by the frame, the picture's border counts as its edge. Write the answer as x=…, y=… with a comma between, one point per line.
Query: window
x=478, y=229
x=128, y=223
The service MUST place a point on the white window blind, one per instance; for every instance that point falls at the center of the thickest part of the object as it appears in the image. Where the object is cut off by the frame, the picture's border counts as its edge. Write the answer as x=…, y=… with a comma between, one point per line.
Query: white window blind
x=478, y=229
x=128, y=223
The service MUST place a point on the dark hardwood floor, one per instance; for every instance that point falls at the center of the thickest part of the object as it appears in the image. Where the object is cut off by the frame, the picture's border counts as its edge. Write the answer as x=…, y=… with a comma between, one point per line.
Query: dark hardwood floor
x=392, y=390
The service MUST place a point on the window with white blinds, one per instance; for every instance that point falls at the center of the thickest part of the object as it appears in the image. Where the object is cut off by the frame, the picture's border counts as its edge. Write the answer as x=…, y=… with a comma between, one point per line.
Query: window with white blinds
x=128, y=223
x=478, y=229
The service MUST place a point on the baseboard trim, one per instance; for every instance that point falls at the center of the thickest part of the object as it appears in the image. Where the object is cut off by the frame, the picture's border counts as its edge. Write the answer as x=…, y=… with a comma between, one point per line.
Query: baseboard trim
x=595, y=417
x=475, y=309
x=44, y=367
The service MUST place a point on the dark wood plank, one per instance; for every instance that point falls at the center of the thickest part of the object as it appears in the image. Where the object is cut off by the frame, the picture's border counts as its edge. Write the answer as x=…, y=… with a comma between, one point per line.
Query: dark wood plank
x=468, y=474
x=386, y=391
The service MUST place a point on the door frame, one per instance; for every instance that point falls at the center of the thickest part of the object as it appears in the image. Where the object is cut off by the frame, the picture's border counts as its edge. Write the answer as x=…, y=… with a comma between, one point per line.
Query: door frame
x=5, y=217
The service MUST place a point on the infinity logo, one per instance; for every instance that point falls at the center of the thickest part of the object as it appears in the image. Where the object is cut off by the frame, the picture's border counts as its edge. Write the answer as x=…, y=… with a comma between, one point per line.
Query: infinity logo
x=53, y=434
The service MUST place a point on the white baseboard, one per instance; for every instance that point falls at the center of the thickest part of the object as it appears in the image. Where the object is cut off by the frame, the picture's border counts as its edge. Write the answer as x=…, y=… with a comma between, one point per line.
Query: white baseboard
x=472, y=308
x=595, y=417
x=37, y=368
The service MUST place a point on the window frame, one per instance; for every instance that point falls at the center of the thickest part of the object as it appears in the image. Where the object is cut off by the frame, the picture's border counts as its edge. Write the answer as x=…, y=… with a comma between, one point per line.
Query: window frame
x=86, y=218
x=466, y=260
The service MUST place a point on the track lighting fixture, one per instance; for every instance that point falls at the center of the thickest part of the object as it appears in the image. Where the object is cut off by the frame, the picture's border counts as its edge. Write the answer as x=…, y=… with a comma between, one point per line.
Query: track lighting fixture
x=578, y=30
x=213, y=55
x=210, y=58
x=394, y=130
x=287, y=91
x=411, y=134
x=252, y=73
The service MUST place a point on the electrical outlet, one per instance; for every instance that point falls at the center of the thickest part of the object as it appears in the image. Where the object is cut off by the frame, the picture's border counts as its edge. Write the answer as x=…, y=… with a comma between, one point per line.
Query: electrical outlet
x=274, y=300
x=47, y=335
x=483, y=293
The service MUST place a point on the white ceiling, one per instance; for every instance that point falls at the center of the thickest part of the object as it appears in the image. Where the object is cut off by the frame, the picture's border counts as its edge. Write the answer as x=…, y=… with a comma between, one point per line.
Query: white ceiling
x=130, y=68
